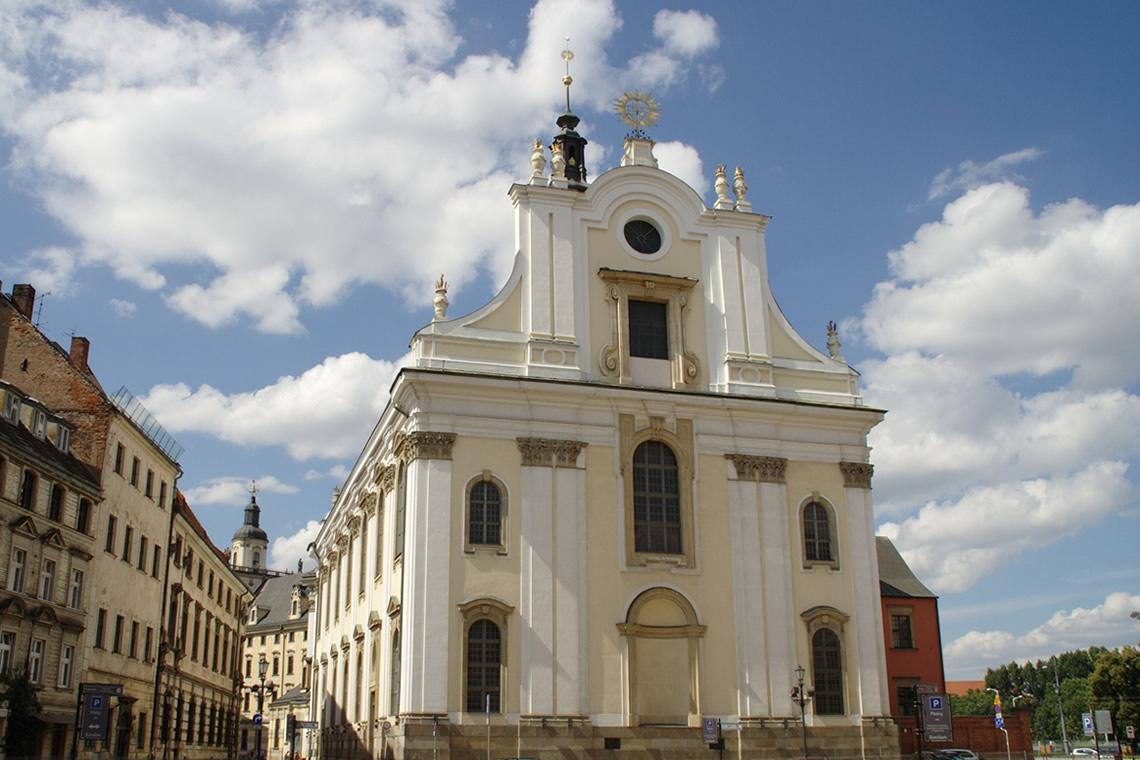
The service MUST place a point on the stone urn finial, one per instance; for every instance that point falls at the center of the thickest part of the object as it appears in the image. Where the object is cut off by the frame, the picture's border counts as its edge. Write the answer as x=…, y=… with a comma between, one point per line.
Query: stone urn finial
x=720, y=185
x=538, y=158
x=832, y=339
x=739, y=189
x=440, y=301
x=557, y=161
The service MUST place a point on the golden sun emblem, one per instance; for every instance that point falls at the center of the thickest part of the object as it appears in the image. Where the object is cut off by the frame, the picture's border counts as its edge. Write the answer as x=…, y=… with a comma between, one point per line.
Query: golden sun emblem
x=637, y=109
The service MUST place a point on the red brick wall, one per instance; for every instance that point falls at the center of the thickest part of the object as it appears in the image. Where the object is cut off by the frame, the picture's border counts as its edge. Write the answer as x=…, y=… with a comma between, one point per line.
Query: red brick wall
x=977, y=732
x=924, y=662
x=42, y=369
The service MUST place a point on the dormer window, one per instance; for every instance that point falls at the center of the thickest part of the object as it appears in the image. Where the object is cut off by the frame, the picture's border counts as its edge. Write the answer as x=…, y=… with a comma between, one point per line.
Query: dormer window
x=39, y=424
x=12, y=407
x=63, y=439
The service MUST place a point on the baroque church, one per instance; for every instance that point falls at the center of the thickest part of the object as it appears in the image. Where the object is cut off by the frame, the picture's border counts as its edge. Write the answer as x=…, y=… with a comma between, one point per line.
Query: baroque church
x=615, y=508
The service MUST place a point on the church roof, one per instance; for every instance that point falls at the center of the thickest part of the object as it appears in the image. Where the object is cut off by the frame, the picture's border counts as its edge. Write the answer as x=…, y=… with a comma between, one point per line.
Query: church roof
x=251, y=528
x=276, y=596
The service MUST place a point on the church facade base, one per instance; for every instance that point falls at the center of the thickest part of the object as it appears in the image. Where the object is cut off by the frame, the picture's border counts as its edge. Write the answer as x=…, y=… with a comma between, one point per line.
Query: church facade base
x=577, y=739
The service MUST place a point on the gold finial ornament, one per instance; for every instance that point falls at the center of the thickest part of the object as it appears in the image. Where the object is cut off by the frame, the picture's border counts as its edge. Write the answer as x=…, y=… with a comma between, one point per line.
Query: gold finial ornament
x=639, y=110
x=567, y=55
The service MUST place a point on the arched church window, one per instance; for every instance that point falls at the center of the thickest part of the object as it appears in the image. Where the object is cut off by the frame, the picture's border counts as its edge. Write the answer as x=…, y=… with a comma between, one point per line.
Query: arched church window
x=656, y=499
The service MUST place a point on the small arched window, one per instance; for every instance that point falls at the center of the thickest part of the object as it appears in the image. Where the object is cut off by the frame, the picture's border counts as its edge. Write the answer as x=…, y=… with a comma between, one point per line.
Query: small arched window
x=656, y=499
x=817, y=533
x=827, y=672
x=484, y=664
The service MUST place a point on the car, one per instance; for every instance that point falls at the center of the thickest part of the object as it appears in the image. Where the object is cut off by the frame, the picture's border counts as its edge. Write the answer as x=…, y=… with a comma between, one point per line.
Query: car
x=961, y=754
x=1088, y=753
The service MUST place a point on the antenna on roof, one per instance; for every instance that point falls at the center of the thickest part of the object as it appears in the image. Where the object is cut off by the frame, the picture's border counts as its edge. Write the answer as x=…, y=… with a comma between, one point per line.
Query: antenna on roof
x=40, y=306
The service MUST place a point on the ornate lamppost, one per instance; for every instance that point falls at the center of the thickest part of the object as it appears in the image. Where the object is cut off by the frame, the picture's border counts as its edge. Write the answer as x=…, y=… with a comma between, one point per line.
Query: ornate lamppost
x=262, y=666
x=800, y=695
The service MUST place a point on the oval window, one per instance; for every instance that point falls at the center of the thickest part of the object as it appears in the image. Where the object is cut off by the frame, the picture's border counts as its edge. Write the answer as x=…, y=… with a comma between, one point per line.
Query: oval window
x=642, y=236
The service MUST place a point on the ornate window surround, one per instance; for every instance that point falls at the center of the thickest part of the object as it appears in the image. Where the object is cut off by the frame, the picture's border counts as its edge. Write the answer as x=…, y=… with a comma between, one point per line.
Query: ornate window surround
x=504, y=514
x=681, y=442
x=825, y=617
x=498, y=612
x=675, y=293
x=832, y=526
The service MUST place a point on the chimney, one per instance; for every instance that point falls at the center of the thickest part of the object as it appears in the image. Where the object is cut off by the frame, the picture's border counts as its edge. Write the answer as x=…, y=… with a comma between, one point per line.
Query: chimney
x=24, y=296
x=79, y=349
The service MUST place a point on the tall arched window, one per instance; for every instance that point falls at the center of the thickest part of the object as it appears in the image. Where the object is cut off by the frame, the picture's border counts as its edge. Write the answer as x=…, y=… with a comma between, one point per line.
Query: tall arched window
x=484, y=513
x=817, y=533
x=656, y=499
x=484, y=664
x=394, y=671
x=401, y=509
x=827, y=672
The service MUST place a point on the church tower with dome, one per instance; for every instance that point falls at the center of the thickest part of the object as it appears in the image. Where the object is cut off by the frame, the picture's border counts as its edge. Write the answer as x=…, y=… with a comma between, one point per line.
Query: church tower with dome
x=624, y=506
x=249, y=548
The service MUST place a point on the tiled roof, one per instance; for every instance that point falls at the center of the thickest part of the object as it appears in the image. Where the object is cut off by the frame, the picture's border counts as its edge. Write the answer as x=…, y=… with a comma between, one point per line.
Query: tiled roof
x=895, y=576
x=45, y=454
x=276, y=595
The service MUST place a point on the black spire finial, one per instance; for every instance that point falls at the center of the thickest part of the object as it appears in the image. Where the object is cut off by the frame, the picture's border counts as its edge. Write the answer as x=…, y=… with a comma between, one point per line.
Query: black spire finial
x=573, y=144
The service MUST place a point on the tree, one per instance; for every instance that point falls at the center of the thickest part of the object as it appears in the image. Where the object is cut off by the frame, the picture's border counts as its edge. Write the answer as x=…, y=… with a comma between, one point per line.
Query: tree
x=973, y=702
x=22, y=738
x=1115, y=685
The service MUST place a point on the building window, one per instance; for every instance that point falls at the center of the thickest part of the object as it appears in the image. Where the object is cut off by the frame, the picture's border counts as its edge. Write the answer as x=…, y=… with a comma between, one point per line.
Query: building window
x=484, y=665
x=642, y=236
x=648, y=320
x=656, y=499
x=162, y=493
x=16, y=570
x=378, y=540
x=83, y=516
x=117, y=641
x=907, y=699
x=394, y=672
x=156, y=561
x=66, y=661
x=28, y=491
x=47, y=580
x=75, y=590
x=55, y=506
x=289, y=665
x=110, y=544
x=902, y=634
x=827, y=670
x=149, y=645
x=657, y=491
x=401, y=509
x=133, y=649
x=7, y=647
x=148, y=489
x=486, y=514
x=142, y=553
x=648, y=330
x=36, y=660
x=100, y=627
x=120, y=455
x=128, y=537
x=819, y=534
x=135, y=466
x=276, y=665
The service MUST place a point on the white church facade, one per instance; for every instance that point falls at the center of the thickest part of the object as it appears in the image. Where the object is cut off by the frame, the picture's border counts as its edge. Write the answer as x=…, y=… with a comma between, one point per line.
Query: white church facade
x=622, y=498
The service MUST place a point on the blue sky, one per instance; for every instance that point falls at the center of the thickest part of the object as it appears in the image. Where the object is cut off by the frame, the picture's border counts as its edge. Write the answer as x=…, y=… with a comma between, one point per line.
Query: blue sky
x=244, y=206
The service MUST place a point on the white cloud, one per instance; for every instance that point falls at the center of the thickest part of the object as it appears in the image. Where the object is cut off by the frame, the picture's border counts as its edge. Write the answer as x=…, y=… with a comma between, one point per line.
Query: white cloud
x=994, y=287
x=1107, y=624
x=286, y=550
x=969, y=175
x=251, y=174
x=52, y=270
x=327, y=412
x=124, y=309
x=233, y=491
x=684, y=162
x=953, y=545
x=687, y=32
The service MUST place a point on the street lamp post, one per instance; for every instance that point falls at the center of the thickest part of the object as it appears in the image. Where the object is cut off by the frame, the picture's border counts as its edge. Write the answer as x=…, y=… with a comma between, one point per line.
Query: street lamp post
x=800, y=695
x=262, y=666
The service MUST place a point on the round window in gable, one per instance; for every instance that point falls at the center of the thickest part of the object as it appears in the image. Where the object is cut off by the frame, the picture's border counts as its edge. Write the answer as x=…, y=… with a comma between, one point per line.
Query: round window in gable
x=642, y=236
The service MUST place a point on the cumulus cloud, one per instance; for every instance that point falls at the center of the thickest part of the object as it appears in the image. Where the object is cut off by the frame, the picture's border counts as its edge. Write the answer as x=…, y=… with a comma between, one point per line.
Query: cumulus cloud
x=52, y=269
x=124, y=309
x=1001, y=331
x=233, y=491
x=687, y=32
x=953, y=545
x=287, y=550
x=683, y=161
x=251, y=175
x=337, y=472
x=968, y=174
x=1107, y=624
x=327, y=412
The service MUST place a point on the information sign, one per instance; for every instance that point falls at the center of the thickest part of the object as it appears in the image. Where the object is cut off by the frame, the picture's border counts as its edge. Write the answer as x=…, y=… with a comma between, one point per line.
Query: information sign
x=94, y=717
x=1103, y=722
x=710, y=730
x=1087, y=724
x=936, y=721
x=309, y=724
